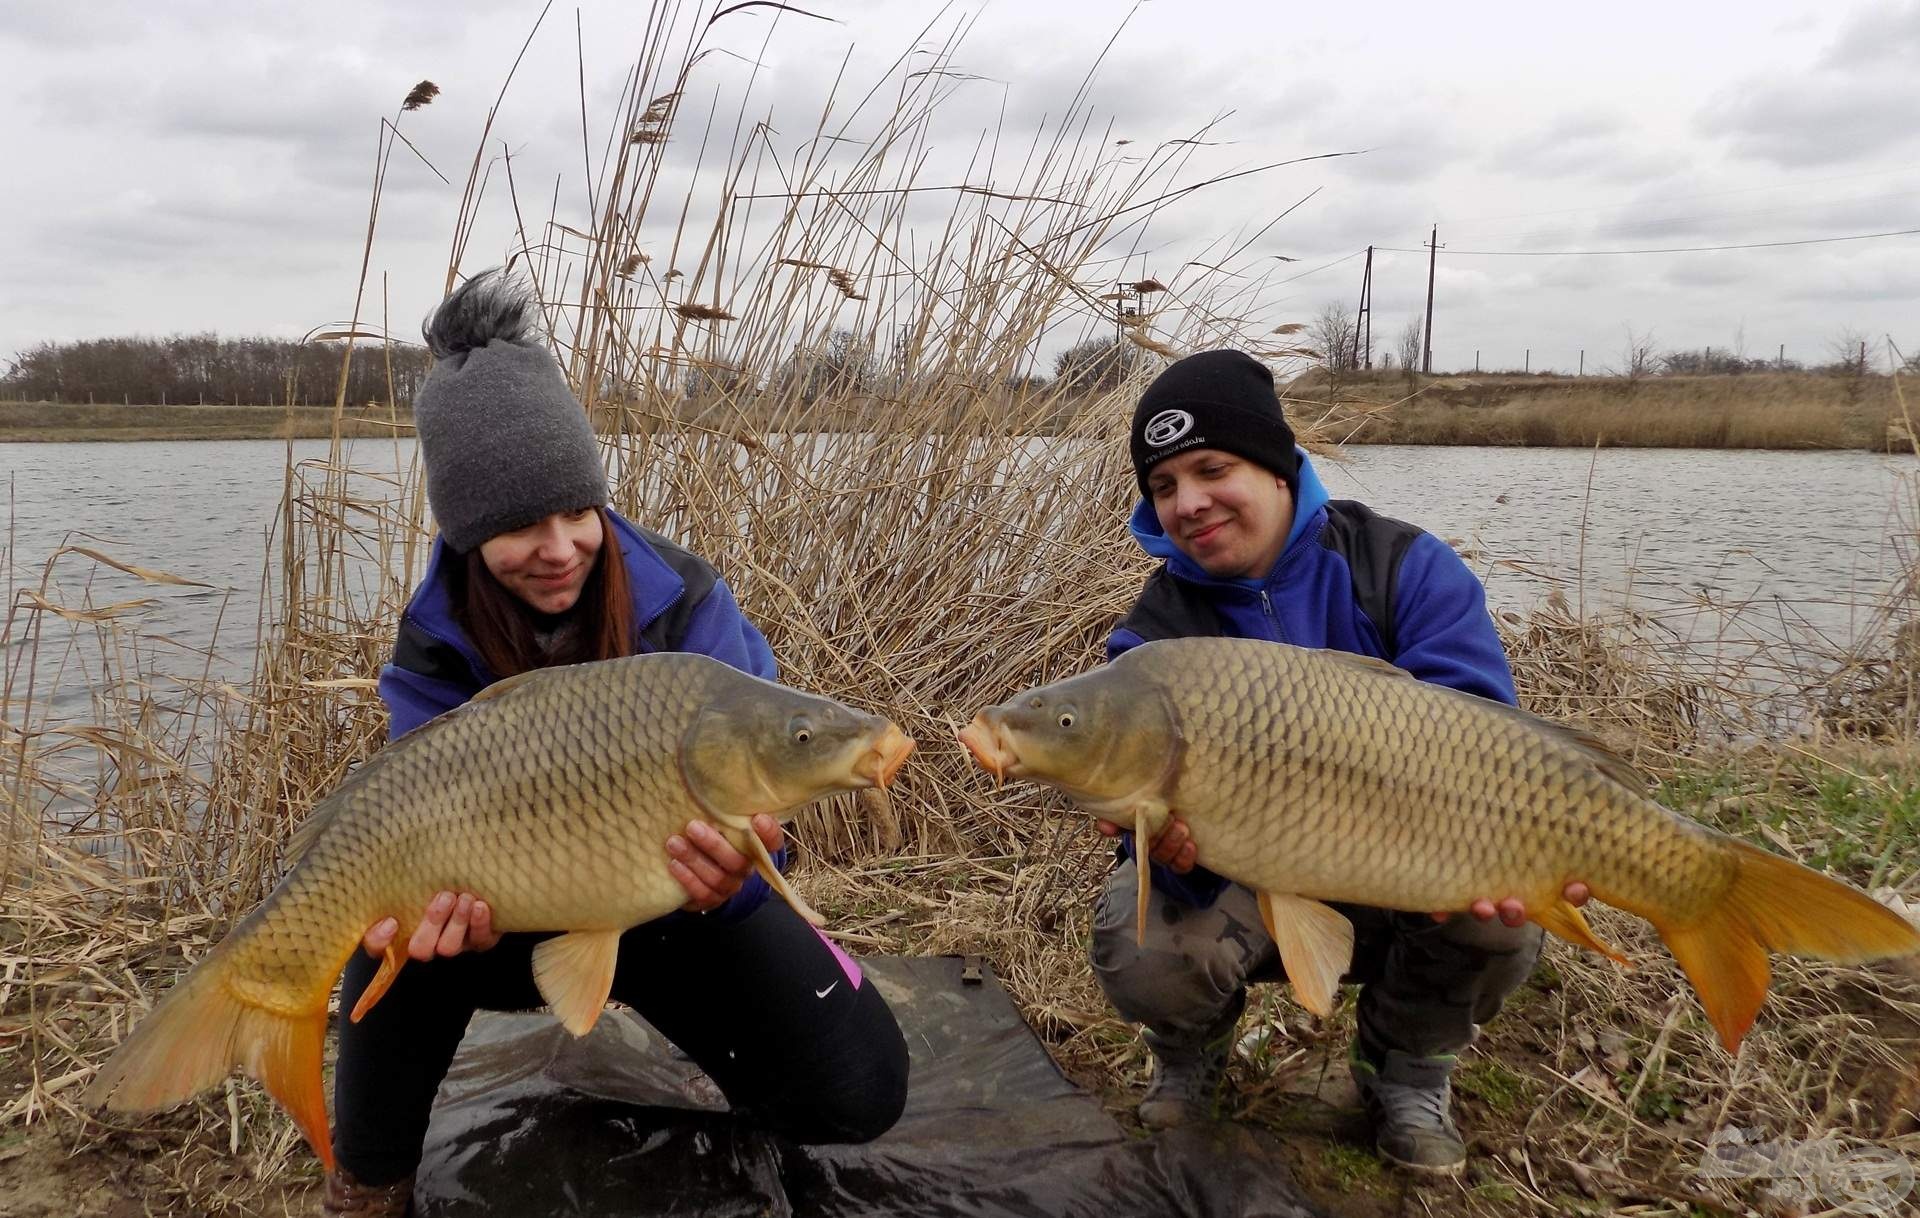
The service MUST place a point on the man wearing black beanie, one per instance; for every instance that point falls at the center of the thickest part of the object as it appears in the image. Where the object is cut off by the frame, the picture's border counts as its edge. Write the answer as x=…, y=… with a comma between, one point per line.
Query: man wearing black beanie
x=1252, y=547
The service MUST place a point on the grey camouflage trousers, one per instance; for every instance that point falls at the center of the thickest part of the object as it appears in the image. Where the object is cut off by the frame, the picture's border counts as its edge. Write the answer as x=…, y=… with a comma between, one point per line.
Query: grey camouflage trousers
x=1424, y=985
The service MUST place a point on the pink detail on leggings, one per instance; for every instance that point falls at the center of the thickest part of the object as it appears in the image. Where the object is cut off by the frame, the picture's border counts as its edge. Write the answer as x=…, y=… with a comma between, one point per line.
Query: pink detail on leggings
x=847, y=965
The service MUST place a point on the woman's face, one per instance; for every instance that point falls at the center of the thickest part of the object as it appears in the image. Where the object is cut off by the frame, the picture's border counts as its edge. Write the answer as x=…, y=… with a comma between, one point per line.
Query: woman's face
x=547, y=563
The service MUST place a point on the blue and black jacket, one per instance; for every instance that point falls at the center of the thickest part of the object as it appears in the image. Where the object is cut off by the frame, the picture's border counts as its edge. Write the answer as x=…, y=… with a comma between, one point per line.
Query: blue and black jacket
x=679, y=604
x=1348, y=579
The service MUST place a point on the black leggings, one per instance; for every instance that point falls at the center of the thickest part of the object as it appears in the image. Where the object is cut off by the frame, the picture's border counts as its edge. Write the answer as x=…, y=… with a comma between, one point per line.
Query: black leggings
x=762, y=1004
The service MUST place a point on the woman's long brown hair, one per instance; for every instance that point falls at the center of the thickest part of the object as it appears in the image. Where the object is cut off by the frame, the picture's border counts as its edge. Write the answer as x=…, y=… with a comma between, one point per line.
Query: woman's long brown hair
x=501, y=625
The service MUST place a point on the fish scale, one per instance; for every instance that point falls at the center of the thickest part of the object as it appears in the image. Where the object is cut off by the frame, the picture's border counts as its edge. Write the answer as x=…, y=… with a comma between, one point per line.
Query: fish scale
x=1319, y=776
x=551, y=796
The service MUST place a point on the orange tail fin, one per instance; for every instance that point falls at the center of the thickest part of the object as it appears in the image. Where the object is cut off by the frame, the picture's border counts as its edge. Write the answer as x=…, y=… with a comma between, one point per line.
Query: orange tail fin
x=1776, y=905
x=201, y=1030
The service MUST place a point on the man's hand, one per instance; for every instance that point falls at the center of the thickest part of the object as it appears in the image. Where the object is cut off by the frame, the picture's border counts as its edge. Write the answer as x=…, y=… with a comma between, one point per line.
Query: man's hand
x=708, y=866
x=1173, y=846
x=1513, y=911
x=451, y=924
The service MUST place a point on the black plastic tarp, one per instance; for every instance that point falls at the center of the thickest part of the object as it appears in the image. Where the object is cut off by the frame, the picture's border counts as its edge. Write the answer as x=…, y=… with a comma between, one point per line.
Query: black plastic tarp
x=535, y=1124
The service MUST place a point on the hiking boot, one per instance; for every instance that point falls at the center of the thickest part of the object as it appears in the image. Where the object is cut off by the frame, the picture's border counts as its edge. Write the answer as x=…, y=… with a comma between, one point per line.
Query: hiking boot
x=1409, y=1102
x=347, y=1196
x=1185, y=1086
x=1187, y=1072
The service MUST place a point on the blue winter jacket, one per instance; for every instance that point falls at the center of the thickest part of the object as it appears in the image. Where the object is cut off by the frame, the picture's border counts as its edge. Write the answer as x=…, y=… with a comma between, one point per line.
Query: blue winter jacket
x=679, y=604
x=1339, y=558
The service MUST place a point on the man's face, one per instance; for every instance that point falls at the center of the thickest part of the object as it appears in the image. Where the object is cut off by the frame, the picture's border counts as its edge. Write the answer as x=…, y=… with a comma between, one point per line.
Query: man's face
x=1225, y=512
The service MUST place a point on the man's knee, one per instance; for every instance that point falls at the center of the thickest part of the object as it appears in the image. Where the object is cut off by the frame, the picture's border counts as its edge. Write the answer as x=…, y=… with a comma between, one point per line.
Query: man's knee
x=1188, y=969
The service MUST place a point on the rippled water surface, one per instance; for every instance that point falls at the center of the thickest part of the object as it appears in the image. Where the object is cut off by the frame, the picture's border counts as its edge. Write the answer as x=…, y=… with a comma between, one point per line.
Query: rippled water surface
x=1811, y=537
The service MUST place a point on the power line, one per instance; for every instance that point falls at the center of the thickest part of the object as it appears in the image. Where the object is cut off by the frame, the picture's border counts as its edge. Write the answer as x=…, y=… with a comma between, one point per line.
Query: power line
x=1678, y=249
x=1663, y=200
x=1325, y=266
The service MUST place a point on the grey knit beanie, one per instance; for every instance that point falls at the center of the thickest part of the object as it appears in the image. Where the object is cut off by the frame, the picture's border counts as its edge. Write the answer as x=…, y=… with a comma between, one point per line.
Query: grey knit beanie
x=502, y=438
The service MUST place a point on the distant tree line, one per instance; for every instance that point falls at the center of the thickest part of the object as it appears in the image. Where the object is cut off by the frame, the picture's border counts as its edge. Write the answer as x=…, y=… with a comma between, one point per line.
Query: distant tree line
x=204, y=368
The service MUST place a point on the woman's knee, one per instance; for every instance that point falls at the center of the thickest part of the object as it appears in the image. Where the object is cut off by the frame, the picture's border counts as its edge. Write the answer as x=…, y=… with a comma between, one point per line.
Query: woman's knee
x=853, y=1092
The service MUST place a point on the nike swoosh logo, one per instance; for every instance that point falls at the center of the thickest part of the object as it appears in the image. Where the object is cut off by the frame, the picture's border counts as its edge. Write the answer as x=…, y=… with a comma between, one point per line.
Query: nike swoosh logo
x=825, y=992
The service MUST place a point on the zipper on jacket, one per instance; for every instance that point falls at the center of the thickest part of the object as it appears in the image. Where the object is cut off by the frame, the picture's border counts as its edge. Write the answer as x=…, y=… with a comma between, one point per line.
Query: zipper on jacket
x=1266, y=604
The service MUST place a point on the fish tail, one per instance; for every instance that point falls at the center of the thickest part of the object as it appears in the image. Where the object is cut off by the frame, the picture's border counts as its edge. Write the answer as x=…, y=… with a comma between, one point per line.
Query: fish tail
x=212, y=1021
x=1774, y=904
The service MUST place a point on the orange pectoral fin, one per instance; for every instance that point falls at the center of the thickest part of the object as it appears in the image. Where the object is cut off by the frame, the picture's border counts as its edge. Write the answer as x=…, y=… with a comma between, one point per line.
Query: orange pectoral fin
x=1143, y=867
x=390, y=965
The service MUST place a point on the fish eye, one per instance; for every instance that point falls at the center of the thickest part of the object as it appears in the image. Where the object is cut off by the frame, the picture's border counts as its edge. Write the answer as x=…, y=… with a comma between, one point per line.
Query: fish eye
x=1066, y=718
x=800, y=730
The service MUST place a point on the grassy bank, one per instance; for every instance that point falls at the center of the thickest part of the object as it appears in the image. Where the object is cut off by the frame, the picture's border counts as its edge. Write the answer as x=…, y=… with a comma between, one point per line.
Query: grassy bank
x=1787, y=410
x=61, y=421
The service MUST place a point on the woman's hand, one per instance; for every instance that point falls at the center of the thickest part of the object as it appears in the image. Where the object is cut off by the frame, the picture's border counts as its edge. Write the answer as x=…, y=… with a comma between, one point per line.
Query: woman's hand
x=1173, y=847
x=1513, y=911
x=451, y=925
x=708, y=866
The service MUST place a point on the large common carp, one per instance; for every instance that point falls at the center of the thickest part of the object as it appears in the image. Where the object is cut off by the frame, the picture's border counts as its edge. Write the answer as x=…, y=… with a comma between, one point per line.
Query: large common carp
x=551, y=795
x=1314, y=776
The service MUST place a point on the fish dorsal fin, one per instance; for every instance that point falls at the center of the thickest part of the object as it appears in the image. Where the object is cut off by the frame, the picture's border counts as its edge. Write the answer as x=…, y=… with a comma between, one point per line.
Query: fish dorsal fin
x=1372, y=664
x=328, y=808
x=311, y=828
x=508, y=684
x=1597, y=751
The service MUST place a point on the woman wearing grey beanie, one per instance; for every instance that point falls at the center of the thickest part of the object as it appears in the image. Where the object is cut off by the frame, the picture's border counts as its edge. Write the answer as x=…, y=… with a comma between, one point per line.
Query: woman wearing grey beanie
x=533, y=569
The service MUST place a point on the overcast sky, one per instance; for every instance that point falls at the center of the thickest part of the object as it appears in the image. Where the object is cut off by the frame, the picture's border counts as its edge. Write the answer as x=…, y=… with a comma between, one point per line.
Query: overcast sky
x=195, y=166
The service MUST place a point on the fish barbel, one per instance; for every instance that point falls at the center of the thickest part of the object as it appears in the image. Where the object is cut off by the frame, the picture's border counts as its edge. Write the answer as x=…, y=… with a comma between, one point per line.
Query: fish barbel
x=1313, y=776
x=551, y=795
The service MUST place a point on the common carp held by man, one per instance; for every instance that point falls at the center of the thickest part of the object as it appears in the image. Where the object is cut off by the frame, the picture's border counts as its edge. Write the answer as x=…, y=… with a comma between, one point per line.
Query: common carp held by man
x=551, y=795
x=1314, y=776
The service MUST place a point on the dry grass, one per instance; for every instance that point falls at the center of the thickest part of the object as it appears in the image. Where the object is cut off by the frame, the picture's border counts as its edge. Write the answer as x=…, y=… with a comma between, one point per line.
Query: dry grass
x=1787, y=410
x=924, y=563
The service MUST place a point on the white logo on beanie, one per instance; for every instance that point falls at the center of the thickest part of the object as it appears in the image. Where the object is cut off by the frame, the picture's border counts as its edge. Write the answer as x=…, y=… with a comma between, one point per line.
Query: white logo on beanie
x=1166, y=427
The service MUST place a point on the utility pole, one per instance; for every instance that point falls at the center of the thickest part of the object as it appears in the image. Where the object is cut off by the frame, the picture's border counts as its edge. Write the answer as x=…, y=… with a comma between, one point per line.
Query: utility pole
x=1583, y=362
x=1363, y=320
x=1433, y=247
x=1528, y=365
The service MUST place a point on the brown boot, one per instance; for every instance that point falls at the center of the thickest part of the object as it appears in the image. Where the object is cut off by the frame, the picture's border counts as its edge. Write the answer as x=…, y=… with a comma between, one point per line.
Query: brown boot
x=347, y=1196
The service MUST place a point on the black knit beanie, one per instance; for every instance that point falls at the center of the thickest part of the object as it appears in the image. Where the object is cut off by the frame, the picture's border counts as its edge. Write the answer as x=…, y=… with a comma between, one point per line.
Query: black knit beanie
x=502, y=438
x=1216, y=399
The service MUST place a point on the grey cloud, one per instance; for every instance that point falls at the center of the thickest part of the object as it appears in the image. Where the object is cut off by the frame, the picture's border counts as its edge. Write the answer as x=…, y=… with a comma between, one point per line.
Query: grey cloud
x=1857, y=103
x=1887, y=32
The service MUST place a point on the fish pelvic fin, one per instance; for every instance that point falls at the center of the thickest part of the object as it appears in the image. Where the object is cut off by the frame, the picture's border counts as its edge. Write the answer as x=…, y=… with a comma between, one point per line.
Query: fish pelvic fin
x=1776, y=905
x=575, y=974
x=763, y=863
x=1565, y=920
x=202, y=1029
x=1316, y=946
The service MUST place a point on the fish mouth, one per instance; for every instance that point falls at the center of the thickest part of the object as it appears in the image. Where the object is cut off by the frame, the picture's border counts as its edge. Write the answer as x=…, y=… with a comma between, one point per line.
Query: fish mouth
x=983, y=739
x=881, y=762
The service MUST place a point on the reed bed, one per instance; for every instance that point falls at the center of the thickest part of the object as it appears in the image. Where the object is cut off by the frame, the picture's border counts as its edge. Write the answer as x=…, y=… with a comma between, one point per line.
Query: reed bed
x=1763, y=410
x=919, y=541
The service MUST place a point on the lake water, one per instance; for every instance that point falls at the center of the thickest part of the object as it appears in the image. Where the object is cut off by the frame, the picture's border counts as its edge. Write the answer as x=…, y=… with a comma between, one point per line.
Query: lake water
x=1810, y=538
